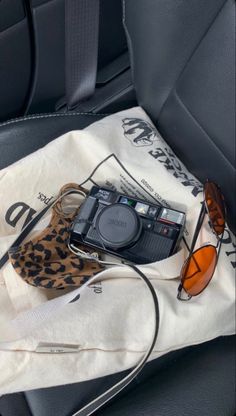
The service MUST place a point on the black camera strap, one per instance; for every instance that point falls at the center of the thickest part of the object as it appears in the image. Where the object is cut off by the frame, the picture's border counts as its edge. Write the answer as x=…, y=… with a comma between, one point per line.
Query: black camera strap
x=101, y=400
x=109, y=394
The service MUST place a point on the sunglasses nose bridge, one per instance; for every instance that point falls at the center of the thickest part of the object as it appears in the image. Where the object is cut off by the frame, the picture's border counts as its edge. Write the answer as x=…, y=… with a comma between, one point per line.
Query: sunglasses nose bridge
x=181, y=293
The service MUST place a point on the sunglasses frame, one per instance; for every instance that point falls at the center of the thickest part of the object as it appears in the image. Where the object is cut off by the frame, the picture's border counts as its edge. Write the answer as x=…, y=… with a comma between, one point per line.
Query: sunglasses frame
x=204, y=211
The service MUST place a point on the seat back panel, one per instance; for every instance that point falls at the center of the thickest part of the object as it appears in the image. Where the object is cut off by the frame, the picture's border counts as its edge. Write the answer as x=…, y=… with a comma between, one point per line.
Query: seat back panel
x=183, y=55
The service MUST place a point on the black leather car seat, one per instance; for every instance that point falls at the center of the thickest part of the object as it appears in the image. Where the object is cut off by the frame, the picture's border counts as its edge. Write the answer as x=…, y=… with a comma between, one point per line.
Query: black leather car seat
x=34, y=42
x=183, y=58
x=183, y=55
x=22, y=136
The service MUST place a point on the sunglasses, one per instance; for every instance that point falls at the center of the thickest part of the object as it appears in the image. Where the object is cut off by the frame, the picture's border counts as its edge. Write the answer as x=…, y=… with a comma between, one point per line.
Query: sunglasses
x=200, y=265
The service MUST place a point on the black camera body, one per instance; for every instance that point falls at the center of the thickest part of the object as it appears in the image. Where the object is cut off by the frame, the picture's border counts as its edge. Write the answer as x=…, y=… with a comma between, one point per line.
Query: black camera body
x=127, y=227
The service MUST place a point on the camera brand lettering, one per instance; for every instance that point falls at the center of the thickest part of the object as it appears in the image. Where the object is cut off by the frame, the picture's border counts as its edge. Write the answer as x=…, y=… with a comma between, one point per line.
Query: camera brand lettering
x=118, y=223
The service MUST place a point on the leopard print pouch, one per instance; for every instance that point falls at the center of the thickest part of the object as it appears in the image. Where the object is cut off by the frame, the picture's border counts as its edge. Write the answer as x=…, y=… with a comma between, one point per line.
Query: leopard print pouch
x=46, y=260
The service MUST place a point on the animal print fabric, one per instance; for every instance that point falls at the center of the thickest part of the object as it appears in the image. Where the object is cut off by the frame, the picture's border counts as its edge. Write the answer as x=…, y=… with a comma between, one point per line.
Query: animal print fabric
x=46, y=261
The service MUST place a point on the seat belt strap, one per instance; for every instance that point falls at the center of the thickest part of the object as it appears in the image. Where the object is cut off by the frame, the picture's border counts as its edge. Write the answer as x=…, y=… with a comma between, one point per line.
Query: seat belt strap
x=81, y=49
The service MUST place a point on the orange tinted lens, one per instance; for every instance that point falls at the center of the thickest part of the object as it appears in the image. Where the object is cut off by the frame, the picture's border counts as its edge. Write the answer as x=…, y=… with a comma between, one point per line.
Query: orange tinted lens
x=198, y=270
x=216, y=207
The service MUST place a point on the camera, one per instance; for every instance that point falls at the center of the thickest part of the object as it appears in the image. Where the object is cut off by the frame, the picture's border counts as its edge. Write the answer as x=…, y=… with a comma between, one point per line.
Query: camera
x=127, y=227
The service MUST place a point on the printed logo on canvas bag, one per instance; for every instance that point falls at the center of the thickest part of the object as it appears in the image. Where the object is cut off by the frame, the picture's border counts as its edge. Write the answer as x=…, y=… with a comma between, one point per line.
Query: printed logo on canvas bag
x=140, y=133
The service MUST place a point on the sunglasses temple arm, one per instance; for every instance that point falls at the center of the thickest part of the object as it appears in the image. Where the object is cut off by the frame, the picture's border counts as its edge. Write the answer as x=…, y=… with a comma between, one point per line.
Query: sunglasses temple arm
x=198, y=227
x=195, y=236
x=218, y=247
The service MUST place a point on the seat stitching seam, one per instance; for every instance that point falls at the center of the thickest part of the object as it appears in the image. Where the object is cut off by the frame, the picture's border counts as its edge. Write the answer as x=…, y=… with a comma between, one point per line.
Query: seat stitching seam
x=40, y=116
x=203, y=130
x=191, y=55
x=124, y=11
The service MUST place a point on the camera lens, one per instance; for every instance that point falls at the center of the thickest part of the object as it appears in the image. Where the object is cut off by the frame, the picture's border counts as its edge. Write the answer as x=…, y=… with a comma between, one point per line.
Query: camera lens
x=118, y=226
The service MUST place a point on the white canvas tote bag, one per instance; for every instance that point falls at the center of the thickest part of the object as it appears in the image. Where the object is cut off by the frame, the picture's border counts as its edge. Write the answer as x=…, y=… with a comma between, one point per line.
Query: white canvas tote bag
x=110, y=326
